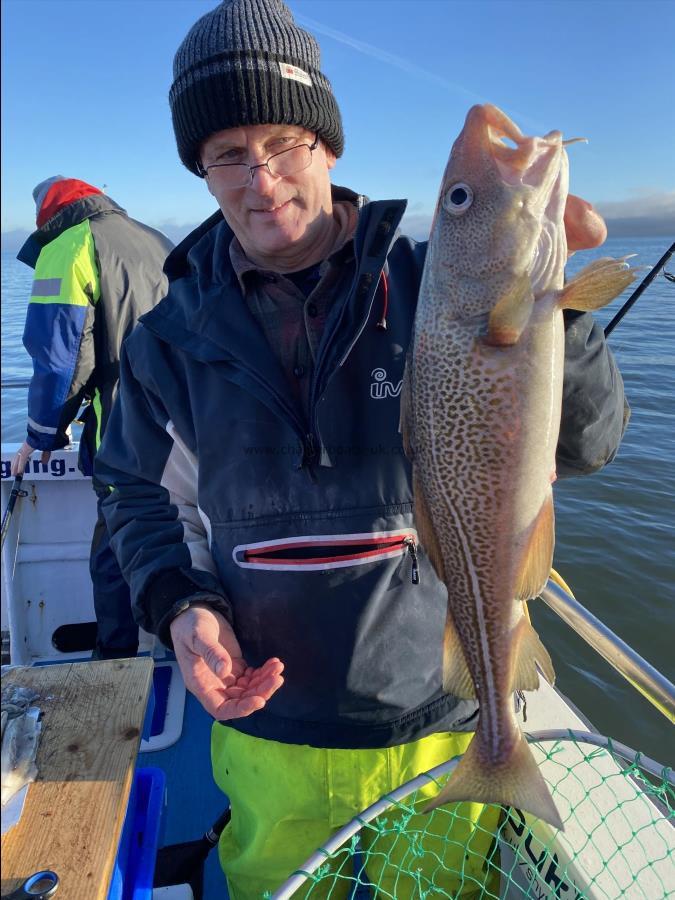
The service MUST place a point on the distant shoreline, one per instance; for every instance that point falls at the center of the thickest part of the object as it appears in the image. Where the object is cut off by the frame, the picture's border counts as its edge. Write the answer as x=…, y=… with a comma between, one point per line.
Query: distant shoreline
x=417, y=226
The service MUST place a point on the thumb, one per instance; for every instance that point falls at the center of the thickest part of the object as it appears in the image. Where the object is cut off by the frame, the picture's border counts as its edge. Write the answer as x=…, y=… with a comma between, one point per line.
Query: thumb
x=585, y=228
x=214, y=655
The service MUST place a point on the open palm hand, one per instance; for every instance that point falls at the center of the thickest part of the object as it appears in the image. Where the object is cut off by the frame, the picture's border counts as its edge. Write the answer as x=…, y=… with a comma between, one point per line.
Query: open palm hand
x=214, y=669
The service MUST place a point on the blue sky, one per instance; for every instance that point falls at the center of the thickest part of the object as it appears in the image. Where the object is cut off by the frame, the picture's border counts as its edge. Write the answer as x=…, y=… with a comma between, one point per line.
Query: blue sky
x=85, y=84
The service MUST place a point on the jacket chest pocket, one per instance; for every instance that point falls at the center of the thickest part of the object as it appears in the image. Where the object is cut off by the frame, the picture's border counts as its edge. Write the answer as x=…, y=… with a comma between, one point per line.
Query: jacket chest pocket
x=322, y=552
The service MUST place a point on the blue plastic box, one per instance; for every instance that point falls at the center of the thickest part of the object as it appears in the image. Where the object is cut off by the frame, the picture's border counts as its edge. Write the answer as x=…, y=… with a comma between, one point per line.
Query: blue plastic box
x=135, y=864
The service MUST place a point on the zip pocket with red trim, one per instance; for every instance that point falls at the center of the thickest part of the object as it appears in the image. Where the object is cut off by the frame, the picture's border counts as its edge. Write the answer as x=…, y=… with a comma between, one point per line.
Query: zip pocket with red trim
x=312, y=553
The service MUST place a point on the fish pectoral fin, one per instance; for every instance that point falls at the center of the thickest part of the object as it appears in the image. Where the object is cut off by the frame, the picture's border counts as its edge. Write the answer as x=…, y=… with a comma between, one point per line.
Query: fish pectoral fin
x=457, y=679
x=405, y=423
x=597, y=284
x=535, y=564
x=529, y=657
x=510, y=314
x=515, y=782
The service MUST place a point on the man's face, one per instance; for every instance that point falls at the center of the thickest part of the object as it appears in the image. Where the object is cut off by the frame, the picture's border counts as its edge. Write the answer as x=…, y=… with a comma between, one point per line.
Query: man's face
x=275, y=217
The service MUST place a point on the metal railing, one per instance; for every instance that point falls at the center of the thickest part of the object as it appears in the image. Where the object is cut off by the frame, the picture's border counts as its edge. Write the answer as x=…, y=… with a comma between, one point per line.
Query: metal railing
x=636, y=670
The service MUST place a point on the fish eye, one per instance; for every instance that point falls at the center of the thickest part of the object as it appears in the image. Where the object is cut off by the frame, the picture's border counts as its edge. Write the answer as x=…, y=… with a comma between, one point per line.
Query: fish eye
x=458, y=198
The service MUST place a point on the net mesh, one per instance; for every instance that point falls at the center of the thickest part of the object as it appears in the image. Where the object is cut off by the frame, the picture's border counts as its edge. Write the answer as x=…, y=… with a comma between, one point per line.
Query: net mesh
x=618, y=839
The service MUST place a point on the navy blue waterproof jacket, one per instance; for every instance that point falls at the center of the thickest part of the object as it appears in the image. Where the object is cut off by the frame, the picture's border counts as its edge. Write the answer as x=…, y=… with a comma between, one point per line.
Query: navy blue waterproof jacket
x=303, y=529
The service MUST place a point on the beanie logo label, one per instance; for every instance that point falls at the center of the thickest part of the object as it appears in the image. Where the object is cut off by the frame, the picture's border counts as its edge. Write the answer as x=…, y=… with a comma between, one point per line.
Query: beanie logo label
x=294, y=73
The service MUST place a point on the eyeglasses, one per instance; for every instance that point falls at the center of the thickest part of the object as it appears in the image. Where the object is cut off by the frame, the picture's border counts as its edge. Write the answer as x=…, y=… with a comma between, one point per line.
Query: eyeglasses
x=287, y=162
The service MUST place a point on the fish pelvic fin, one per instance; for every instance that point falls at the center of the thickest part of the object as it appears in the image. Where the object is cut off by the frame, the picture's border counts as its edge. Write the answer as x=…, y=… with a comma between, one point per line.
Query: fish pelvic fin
x=529, y=656
x=535, y=564
x=510, y=314
x=517, y=782
x=597, y=284
x=457, y=679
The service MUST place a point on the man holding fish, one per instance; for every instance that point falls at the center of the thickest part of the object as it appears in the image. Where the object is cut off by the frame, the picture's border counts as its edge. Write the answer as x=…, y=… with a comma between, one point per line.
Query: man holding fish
x=261, y=503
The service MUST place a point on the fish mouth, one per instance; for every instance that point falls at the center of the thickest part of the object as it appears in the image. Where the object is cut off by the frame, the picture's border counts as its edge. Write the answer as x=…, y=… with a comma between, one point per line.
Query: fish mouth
x=520, y=186
x=531, y=161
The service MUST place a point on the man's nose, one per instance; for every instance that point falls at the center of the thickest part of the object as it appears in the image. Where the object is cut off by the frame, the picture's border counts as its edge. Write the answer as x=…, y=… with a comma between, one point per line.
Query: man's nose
x=262, y=180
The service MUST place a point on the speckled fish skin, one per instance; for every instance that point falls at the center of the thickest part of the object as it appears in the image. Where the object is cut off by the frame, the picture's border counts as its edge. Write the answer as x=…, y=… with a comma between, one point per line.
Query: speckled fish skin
x=480, y=418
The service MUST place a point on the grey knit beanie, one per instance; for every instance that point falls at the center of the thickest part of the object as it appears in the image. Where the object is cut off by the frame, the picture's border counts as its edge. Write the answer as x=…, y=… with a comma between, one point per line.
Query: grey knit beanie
x=248, y=63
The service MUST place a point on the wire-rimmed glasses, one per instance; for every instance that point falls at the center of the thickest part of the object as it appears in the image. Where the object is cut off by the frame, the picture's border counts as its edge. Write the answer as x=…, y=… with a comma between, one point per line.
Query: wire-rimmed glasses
x=286, y=162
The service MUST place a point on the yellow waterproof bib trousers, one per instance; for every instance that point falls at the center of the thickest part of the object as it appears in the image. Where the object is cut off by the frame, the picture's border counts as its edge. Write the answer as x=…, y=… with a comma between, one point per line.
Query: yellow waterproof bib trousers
x=287, y=800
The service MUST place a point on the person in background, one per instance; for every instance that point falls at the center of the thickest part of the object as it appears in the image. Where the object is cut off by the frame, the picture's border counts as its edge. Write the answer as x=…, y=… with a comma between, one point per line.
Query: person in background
x=96, y=271
x=260, y=500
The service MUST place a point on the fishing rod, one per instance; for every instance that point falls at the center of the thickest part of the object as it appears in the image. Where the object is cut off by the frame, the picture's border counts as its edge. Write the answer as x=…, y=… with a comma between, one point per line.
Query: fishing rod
x=14, y=495
x=641, y=287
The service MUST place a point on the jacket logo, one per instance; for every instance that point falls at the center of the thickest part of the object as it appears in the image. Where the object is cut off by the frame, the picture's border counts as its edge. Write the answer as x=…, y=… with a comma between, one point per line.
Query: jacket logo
x=380, y=389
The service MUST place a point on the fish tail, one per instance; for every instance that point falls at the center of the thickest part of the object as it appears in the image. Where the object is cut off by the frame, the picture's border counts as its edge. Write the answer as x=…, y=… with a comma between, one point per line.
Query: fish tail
x=517, y=782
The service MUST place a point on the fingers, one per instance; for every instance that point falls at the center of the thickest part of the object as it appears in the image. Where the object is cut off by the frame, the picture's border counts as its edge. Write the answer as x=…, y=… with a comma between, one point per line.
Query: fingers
x=239, y=693
x=251, y=691
x=18, y=464
x=210, y=660
x=263, y=682
x=258, y=683
x=20, y=459
x=585, y=228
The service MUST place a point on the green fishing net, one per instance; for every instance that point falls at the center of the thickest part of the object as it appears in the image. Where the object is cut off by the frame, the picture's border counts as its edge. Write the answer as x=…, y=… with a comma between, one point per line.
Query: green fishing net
x=618, y=841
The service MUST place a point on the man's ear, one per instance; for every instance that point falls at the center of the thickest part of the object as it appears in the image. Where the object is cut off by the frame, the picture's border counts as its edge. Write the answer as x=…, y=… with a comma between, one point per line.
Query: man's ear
x=331, y=158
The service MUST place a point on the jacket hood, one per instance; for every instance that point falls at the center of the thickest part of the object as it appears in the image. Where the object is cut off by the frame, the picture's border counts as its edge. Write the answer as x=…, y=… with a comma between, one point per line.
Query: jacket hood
x=60, y=192
x=74, y=207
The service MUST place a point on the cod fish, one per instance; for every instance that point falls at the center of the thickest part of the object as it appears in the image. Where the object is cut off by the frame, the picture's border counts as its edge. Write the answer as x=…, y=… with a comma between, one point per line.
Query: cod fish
x=480, y=416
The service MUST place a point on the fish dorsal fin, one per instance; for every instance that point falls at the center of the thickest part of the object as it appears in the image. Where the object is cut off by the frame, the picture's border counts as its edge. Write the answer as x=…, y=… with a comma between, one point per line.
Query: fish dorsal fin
x=528, y=653
x=510, y=314
x=457, y=679
x=405, y=424
x=597, y=284
x=535, y=564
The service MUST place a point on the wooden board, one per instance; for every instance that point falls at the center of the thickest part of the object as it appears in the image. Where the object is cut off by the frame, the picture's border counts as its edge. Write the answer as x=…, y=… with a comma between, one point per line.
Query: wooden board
x=93, y=714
